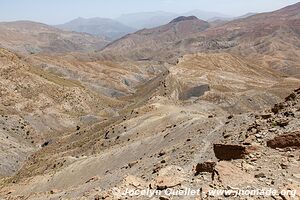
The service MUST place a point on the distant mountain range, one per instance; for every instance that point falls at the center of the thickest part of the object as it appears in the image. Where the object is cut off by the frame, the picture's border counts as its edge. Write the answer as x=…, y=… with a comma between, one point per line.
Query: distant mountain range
x=154, y=19
x=32, y=37
x=214, y=19
x=113, y=29
x=163, y=108
x=146, y=19
x=247, y=35
x=108, y=28
x=207, y=16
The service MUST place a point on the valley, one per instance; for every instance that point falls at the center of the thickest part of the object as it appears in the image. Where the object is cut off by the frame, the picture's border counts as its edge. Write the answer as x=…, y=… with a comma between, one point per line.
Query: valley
x=188, y=104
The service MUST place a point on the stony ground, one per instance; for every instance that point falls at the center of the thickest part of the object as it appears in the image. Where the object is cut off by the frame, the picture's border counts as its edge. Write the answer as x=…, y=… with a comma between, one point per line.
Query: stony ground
x=185, y=105
x=160, y=142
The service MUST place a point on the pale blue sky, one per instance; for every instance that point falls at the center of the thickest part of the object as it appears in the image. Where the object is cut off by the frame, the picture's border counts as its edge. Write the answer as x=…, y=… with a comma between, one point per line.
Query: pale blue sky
x=59, y=11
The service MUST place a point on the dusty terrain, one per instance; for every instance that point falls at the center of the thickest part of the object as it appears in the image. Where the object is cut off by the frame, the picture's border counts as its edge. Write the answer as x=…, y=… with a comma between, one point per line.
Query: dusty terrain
x=163, y=108
x=104, y=154
x=38, y=102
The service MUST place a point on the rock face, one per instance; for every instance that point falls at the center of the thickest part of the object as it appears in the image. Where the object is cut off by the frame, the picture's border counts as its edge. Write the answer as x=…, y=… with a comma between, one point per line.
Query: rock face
x=286, y=140
x=229, y=151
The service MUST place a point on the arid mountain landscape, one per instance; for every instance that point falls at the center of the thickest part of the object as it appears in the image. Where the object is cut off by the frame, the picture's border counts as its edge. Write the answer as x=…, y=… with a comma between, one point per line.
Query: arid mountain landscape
x=31, y=37
x=153, y=19
x=104, y=27
x=209, y=106
x=263, y=37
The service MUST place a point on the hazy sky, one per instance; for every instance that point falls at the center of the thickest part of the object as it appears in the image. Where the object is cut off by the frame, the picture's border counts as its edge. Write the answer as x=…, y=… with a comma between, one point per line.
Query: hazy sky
x=59, y=11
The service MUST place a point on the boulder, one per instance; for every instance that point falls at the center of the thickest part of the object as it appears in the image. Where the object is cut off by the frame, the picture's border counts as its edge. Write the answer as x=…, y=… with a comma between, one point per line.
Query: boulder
x=164, y=182
x=208, y=166
x=286, y=140
x=229, y=151
x=168, y=177
x=277, y=108
x=230, y=175
x=282, y=122
x=46, y=143
x=133, y=163
x=260, y=175
x=266, y=116
x=135, y=182
x=291, y=97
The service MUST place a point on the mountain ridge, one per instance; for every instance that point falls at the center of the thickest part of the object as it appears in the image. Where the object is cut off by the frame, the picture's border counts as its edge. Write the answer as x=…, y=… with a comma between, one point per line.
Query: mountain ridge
x=154, y=19
x=33, y=37
x=260, y=34
x=106, y=27
x=189, y=104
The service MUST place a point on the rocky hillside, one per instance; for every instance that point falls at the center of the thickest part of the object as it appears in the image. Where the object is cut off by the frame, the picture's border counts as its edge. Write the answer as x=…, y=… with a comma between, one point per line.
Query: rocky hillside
x=214, y=108
x=43, y=97
x=270, y=39
x=150, y=43
x=31, y=37
x=229, y=81
x=164, y=139
x=36, y=105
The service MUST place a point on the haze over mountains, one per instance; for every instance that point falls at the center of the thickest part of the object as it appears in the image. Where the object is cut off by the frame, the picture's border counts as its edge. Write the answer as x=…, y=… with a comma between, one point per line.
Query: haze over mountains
x=271, y=36
x=113, y=29
x=129, y=23
x=186, y=104
x=98, y=26
x=154, y=19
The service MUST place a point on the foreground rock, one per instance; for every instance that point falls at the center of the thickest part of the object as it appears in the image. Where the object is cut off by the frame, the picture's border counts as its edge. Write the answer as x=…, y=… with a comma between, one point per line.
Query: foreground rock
x=168, y=177
x=286, y=140
x=229, y=151
x=208, y=166
x=230, y=175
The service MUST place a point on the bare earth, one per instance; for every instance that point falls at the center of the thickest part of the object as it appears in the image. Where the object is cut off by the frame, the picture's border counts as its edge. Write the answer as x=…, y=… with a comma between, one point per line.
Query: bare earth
x=185, y=105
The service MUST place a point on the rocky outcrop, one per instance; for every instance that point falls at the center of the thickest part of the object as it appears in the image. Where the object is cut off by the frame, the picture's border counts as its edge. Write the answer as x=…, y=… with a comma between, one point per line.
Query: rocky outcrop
x=286, y=140
x=229, y=151
x=208, y=166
